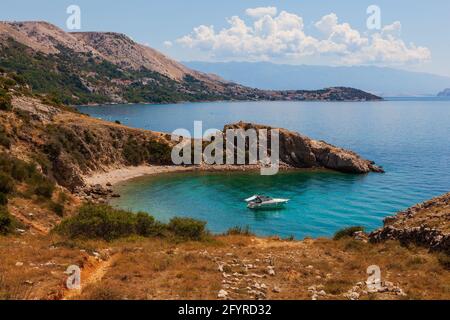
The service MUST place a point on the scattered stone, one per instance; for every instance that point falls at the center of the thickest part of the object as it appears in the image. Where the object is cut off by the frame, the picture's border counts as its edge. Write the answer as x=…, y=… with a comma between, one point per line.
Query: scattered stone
x=270, y=271
x=276, y=289
x=222, y=294
x=386, y=288
x=361, y=236
x=19, y=264
x=257, y=275
x=352, y=295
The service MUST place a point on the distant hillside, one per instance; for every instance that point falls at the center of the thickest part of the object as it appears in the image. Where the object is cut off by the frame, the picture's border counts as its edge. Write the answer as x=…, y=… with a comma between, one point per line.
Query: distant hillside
x=105, y=67
x=380, y=81
x=445, y=93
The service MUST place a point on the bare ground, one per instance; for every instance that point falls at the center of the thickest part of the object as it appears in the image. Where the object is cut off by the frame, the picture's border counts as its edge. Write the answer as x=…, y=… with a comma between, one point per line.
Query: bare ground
x=238, y=267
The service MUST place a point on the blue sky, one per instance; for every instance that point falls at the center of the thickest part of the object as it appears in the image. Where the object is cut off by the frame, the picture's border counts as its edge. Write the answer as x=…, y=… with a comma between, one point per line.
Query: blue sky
x=160, y=23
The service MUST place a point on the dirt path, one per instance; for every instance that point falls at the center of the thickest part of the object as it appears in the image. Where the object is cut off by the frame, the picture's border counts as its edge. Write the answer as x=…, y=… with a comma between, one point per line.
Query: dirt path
x=91, y=274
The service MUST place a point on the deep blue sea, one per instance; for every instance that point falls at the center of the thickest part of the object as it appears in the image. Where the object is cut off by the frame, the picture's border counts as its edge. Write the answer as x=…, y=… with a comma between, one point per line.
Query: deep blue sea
x=410, y=138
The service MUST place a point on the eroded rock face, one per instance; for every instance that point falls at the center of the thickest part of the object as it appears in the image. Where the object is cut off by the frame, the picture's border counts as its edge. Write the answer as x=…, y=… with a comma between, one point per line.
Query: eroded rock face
x=426, y=224
x=302, y=152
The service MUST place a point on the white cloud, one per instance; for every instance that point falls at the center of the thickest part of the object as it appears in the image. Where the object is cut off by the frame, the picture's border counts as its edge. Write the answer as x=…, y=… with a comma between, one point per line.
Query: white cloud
x=340, y=33
x=168, y=44
x=282, y=37
x=261, y=11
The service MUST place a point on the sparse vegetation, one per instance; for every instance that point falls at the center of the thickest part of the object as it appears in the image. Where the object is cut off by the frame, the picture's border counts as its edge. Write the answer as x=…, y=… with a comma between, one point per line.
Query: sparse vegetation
x=61, y=77
x=347, y=232
x=57, y=208
x=3, y=199
x=4, y=139
x=243, y=231
x=337, y=286
x=146, y=152
x=5, y=102
x=6, y=183
x=13, y=171
x=444, y=260
x=43, y=187
x=6, y=221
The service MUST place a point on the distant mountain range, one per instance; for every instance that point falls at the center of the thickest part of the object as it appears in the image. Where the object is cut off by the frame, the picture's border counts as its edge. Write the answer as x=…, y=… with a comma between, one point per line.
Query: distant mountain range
x=105, y=67
x=380, y=81
x=445, y=93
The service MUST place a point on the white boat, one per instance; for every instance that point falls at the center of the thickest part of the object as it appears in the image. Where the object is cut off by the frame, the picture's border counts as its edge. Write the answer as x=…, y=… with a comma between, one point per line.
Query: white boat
x=263, y=202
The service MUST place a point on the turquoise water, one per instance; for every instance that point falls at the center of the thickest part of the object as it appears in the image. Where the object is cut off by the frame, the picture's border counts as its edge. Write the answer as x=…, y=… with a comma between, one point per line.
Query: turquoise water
x=410, y=139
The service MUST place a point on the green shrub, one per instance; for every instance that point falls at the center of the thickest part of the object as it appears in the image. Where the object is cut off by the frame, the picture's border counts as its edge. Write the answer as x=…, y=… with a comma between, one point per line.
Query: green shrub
x=239, y=231
x=147, y=226
x=44, y=188
x=62, y=197
x=347, y=232
x=18, y=78
x=3, y=199
x=13, y=170
x=57, y=208
x=4, y=139
x=6, y=221
x=5, y=103
x=99, y=222
x=187, y=228
x=6, y=183
x=159, y=153
x=132, y=153
x=22, y=171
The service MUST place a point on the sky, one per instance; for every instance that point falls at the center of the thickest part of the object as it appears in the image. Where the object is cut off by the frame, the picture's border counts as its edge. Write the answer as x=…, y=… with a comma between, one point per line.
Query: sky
x=412, y=35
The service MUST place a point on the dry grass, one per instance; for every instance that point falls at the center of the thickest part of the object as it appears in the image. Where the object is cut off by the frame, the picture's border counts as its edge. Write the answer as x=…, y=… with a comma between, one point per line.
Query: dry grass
x=30, y=268
x=158, y=269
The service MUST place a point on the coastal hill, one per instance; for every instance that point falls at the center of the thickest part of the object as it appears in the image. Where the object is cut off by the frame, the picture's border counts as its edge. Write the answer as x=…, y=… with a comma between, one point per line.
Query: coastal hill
x=383, y=81
x=445, y=93
x=95, y=67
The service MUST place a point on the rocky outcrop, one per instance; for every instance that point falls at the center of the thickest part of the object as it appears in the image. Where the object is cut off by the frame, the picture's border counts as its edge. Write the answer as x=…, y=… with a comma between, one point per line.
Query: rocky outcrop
x=426, y=224
x=300, y=151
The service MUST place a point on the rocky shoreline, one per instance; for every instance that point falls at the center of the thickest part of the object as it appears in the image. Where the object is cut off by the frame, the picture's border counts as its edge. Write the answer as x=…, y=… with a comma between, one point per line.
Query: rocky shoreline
x=426, y=224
